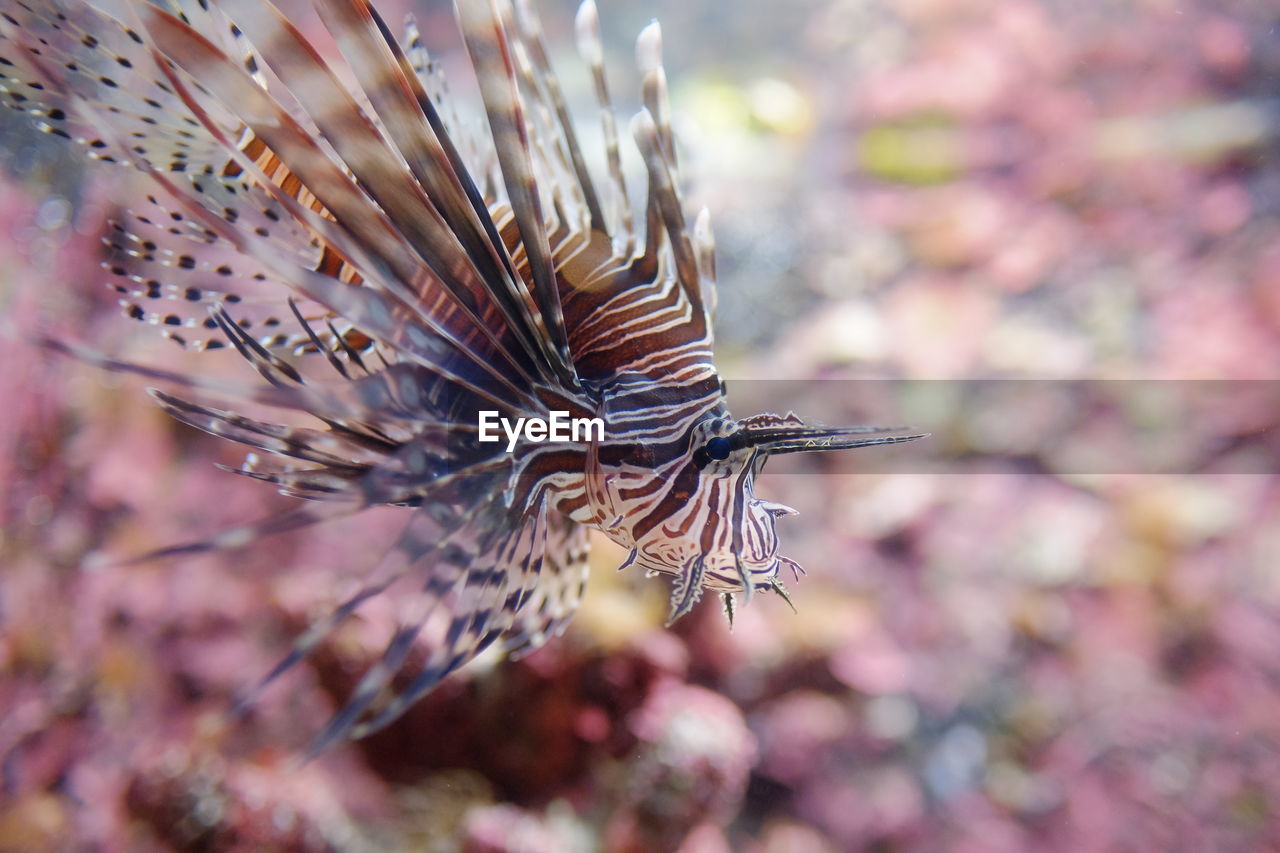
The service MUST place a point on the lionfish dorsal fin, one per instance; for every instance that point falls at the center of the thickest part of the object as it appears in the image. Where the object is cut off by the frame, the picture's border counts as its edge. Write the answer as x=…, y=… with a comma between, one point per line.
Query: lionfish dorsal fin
x=491, y=55
x=622, y=226
x=546, y=85
x=413, y=123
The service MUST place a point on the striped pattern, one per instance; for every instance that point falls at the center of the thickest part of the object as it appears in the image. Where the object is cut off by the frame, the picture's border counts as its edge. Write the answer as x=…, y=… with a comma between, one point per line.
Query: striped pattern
x=391, y=276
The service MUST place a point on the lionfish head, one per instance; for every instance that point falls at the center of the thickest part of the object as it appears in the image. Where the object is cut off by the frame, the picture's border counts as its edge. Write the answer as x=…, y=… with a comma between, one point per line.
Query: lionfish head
x=718, y=535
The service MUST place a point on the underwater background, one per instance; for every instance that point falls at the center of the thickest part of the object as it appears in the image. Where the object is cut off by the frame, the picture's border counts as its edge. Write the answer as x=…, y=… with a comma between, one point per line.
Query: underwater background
x=1061, y=634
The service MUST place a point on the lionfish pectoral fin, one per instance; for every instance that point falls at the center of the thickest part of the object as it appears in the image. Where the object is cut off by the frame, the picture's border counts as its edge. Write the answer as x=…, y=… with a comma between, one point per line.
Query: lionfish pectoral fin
x=240, y=536
x=307, y=642
x=729, y=605
x=424, y=533
x=476, y=575
x=546, y=611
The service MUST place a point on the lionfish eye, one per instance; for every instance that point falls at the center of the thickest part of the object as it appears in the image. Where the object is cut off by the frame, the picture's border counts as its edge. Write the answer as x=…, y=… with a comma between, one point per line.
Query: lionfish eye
x=719, y=448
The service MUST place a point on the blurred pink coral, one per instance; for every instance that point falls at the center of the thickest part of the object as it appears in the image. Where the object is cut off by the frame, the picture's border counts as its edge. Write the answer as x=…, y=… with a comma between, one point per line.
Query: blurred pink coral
x=688, y=772
x=506, y=829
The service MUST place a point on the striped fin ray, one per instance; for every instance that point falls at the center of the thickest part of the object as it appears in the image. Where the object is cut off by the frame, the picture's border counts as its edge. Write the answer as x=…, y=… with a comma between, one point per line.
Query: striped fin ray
x=495, y=585
x=426, y=543
x=470, y=150
x=558, y=592
x=330, y=459
x=269, y=366
x=587, y=25
x=544, y=84
x=345, y=126
x=667, y=202
x=413, y=125
x=322, y=447
x=403, y=476
x=375, y=312
x=359, y=144
x=394, y=399
x=653, y=90
x=332, y=401
x=377, y=243
x=380, y=314
x=658, y=106
x=473, y=579
x=572, y=215
x=490, y=50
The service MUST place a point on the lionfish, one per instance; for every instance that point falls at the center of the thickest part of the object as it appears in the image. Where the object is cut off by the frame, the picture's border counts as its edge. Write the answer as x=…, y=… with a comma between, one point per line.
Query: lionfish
x=392, y=276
